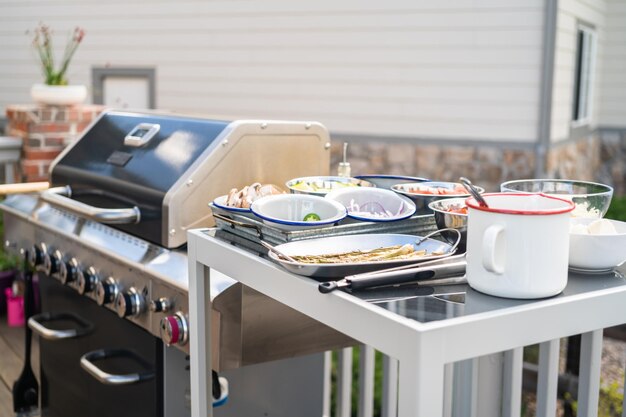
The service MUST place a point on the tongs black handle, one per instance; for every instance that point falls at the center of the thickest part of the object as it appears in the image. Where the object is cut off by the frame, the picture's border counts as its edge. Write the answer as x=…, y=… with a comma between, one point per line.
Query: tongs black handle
x=328, y=286
x=403, y=276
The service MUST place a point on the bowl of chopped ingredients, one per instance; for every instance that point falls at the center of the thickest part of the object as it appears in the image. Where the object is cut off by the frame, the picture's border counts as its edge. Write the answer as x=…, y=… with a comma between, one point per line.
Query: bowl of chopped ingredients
x=591, y=199
x=596, y=245
x=298, y=211
x=239, y=200
x=387, y=181
x=373, y=204
x=451, y=213
x=322, y=185
x=423, y=193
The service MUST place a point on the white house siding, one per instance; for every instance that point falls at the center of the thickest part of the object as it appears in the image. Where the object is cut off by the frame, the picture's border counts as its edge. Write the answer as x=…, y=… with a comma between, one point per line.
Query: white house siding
x=415, y=68
x=612, y=87
x=591, y=12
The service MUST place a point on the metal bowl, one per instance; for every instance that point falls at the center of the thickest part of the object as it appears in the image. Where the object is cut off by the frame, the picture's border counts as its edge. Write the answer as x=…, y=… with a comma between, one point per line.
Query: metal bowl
x=422, y=200
x=322, y=185
x=446, y=219
x=592, y=199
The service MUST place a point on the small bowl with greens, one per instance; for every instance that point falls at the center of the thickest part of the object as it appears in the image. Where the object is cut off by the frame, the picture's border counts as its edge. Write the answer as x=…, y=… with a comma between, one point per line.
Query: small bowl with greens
x=298, y=211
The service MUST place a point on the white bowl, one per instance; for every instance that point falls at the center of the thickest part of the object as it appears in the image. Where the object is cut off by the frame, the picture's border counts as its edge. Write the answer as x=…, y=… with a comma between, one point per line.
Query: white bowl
x=597, y=252
x=287, y=211
x=365, y=203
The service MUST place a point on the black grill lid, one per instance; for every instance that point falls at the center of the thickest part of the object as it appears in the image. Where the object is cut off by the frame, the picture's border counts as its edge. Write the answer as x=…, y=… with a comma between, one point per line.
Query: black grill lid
x=106, y=169
x=155, y=166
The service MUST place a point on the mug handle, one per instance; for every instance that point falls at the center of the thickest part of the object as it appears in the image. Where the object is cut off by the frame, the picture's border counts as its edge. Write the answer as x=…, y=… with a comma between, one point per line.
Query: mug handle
x=490, y=240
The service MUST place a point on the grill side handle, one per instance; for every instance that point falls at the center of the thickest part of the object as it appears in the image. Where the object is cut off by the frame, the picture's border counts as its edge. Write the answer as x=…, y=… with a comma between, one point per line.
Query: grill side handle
x=61, y=197
x=87, y=363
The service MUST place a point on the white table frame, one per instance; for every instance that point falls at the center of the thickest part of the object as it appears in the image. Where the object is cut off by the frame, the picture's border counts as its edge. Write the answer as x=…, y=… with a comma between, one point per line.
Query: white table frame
x=422, y=349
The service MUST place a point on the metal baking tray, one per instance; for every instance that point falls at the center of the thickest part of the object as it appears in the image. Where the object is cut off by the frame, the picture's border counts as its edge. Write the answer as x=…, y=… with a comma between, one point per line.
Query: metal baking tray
x=255, y=230
x=335, y=244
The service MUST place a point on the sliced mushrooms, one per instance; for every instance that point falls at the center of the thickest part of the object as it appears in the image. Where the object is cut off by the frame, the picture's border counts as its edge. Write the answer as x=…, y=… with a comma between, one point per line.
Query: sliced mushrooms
x=243, y=198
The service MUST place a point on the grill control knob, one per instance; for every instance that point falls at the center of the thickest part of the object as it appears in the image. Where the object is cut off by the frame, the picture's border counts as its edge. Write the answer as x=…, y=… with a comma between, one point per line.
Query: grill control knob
x=130, y=303
x=36, y=255
x=106, y=291
x=174, y=329
x=52, y=263
x=161, y=305
x=87, y=280
x=68, y=271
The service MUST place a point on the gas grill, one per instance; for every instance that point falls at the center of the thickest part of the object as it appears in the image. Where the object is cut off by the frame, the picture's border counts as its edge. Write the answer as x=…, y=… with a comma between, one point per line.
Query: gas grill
x=108, y=241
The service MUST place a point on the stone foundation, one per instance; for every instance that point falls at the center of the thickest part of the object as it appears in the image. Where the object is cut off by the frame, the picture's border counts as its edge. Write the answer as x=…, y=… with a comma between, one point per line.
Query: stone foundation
x=576, y=160
x=601, y=157
x=613, y=159
x=485, y=166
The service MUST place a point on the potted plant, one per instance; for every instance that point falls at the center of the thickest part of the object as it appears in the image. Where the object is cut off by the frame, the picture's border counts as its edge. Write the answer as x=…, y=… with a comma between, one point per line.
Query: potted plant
x=56, y=89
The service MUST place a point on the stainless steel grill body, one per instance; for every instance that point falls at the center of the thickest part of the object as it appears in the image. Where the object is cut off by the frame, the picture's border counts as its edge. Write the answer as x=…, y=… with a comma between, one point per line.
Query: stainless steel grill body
x=112, y=233
x=243, y=320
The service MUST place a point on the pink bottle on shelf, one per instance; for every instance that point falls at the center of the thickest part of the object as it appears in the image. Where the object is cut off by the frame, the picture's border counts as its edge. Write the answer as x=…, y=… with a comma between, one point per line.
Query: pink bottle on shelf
x=15, y=308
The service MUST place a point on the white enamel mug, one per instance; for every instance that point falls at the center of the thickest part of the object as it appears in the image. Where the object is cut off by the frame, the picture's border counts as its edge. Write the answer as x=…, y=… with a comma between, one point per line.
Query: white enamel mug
x=518, y=246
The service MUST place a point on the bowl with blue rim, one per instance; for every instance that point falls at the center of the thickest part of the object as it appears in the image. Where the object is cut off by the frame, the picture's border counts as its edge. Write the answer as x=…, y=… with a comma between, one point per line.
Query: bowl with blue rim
x=373, y=204
x=298, y=211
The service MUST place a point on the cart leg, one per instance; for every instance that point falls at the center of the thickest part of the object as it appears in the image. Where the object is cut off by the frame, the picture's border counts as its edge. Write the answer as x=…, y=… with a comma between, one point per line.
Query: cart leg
x=512, y=382
x=200, y=335
x=589, y=382
x=421, y=388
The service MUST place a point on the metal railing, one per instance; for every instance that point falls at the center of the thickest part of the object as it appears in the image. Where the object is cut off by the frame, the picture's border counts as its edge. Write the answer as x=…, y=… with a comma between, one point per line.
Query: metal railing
x=465, y=395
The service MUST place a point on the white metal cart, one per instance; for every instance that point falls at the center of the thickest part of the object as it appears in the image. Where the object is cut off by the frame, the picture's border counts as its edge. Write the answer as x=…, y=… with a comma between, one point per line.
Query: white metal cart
x=423, y=341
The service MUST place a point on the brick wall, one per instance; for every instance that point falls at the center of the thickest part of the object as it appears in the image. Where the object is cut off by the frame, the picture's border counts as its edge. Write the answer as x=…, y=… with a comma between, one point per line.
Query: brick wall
x=45, y=131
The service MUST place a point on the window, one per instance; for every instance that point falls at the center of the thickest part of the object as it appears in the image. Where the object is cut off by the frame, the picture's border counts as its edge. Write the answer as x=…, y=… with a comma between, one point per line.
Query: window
x=123, y=88
x=583, y=81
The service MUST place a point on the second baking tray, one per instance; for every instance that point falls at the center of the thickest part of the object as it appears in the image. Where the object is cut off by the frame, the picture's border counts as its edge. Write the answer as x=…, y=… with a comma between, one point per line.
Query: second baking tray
x=255, y=230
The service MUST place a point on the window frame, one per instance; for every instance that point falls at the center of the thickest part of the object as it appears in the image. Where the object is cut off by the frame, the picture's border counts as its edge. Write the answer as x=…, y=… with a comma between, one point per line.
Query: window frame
x=99, y=74
x=586, y=50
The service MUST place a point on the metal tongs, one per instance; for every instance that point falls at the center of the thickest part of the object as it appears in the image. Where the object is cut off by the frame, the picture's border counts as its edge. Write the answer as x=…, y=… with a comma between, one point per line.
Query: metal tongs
x=445, y=271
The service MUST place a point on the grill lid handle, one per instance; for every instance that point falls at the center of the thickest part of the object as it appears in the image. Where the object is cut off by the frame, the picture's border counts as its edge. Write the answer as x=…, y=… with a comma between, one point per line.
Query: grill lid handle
x=61, y=197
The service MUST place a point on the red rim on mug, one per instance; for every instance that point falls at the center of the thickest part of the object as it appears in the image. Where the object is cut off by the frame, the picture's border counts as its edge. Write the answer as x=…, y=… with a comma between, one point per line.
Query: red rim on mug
x=471, y=202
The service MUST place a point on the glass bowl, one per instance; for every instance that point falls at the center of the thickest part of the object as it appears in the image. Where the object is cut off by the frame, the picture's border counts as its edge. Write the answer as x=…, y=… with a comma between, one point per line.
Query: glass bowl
x=592, y=199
